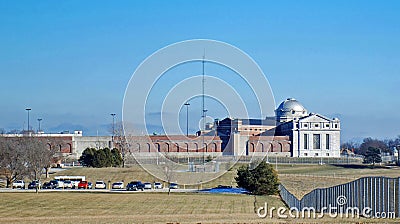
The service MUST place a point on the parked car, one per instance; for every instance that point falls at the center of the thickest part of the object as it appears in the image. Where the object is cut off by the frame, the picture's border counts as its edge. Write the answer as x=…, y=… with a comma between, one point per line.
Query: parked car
x=53, y=184
x=83, y=185
x=68, y=184
x=118, y=185
x=34, y=184
x=60, y=184
x=18, y=184
x=158, y=185
x=100, y=185
x=134, y=186
x=75, y=184
x=147, y=186
x=173, y=186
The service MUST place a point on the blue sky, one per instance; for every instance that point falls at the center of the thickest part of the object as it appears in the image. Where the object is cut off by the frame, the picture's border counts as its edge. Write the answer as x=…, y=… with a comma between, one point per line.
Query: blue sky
x=70, y=61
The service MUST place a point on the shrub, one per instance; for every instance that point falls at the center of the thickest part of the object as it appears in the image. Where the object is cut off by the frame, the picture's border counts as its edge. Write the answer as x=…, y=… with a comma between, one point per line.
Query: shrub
x=258, y=181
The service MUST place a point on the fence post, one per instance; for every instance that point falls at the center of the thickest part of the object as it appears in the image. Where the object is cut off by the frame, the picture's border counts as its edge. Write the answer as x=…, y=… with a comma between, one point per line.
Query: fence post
x=398, y=197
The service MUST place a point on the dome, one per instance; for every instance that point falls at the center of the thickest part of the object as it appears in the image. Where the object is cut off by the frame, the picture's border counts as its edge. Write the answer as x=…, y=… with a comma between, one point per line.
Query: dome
x=290, y=109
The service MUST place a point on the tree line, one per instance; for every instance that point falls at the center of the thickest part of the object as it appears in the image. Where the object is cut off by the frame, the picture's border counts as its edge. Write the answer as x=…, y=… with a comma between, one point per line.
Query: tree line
x=25, y=157
x=372, y=149
x=387, y=145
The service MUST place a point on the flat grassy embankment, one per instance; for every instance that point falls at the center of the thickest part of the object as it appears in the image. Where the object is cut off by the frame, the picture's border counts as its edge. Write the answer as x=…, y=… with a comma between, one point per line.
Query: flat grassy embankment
x=81, y=207
x=85, y=207
x=74, y=207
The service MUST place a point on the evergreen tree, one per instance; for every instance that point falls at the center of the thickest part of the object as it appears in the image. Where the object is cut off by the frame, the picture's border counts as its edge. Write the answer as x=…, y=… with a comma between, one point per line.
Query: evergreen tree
x=87, y=157
x=259, y=181
x=116, y=156
x=100, y=158
x=372, y=155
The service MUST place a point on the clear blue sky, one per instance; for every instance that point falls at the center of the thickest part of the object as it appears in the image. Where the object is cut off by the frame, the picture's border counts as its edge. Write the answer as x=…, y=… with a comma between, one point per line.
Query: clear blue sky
x=70, y=61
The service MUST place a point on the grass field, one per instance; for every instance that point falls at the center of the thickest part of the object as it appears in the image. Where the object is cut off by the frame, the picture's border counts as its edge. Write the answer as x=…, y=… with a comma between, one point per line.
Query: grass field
x=76, y=207
x=85, y=207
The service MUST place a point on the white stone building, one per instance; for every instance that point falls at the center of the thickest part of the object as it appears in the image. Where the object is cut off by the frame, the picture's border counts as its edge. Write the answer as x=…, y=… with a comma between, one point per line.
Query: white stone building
x=312, y=135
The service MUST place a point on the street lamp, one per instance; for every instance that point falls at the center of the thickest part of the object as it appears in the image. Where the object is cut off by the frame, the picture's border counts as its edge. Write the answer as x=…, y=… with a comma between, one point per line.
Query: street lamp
x=28, y=109
x=187, y=104
x=113, y=129
x=39, y=120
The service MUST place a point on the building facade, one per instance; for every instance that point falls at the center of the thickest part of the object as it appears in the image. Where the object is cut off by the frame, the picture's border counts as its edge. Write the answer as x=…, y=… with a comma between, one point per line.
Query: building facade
x=293, y=132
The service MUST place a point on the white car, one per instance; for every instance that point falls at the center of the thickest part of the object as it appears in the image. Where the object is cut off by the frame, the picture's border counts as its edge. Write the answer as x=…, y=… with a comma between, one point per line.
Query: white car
x=68, y=184
x=158, y=185
x=147, y=185
x=100, y=185
x=118, y=185
x=19, y=184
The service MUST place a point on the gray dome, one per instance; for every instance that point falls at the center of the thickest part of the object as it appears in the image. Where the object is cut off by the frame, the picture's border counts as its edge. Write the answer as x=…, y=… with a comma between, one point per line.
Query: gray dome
x=290, y=109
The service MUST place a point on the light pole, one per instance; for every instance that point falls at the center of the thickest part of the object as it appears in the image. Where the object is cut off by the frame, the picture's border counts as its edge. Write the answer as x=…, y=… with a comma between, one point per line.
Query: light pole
x=113, y=129
x=187, y=104
x=39, y=120
x=28, y=109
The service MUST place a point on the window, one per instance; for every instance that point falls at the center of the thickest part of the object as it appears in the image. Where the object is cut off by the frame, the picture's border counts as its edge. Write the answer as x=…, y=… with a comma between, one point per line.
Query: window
x=327, y=125
x=305, y=141
x=335, y=125
x=316, y=141
x=316, y=154
x=316, y=125
x=327, y=154
x=327, y=140
x=305, y=125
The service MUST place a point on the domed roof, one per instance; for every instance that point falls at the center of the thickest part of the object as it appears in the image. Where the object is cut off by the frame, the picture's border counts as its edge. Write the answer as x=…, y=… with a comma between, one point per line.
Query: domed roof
x=290, y=108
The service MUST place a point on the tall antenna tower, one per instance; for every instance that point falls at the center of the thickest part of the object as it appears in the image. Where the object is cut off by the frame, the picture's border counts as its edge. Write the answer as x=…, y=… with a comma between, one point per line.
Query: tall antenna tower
x=203, y=106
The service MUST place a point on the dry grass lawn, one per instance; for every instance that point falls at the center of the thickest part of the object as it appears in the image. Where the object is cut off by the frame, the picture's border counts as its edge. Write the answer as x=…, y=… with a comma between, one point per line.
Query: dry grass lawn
x=80, y=207
x=85, y=207
x=73, y=207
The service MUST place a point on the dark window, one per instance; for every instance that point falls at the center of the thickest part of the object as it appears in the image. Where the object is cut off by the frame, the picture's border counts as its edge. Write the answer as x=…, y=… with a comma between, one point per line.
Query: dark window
x=316, y=141
x=327, y=141
x=305, y=141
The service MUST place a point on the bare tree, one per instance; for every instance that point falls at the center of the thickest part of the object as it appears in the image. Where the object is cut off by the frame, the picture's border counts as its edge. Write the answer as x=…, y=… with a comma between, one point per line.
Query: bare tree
x=12, y=159
x=119, y=140
x=38, y=156
x=169, y=171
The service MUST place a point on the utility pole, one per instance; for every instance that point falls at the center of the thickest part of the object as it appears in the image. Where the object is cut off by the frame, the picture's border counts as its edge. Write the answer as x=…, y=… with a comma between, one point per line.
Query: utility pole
x=203, y=108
